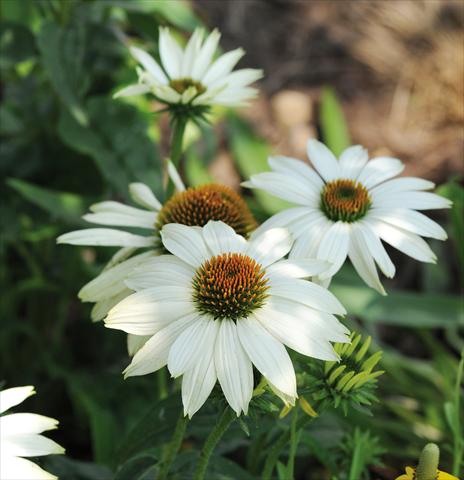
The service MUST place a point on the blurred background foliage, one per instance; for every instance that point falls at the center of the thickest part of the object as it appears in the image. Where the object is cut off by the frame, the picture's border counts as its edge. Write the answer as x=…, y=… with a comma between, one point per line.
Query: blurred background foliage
x=65, y=143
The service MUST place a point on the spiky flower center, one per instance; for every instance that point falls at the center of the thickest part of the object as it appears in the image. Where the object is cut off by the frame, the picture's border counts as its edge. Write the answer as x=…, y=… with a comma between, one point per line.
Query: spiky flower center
x=229, y=286
x=345, y=200
x=197, y=206
x=180, y=85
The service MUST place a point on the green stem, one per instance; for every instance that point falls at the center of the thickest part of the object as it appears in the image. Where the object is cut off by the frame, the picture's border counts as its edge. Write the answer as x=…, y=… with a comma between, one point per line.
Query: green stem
x=173, y=447
x=162, y=383
x=294, y=438
x=227, y=417
x=178, y=130
x=458, y=440
x=279, y=445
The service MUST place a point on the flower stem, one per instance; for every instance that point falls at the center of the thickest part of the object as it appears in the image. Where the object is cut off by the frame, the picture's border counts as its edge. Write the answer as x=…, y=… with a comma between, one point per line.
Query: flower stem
x=294, y=439
x=279, y=445
x=178, y=129
x=227, y=417
x=173, y=447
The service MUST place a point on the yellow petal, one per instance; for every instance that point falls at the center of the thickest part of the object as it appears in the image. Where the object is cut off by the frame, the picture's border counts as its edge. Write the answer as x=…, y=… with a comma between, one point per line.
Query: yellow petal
x=409, y=475
x=446, y=476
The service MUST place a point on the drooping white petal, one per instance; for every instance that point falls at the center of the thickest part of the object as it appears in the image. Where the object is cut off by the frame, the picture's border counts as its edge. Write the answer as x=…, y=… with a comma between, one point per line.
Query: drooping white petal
x=136, y=342
x=106, y=237
x=222, y=66
x=410, y=220
x=403, y=184
x=144, y=196
x=175, y=177
x=102, y=307
x=352, y=161
x=163, y=270
x=14, y=396
x=414, y=200
x=406, y=242
x=292, y=166
x=363, y=262
x=233, y=367
x=307, y=243
x=267, y=354
x=147, y=311
x=203, y=60
x=307, y=293
x=302, y=268
x=149, y=64
x=16, y=468
x=186, y=243
x=170, y=52
x=154, y=353
x=188, y=347
x=221, y=238
x=323, y=160
x=118, y=214
x=284, y=219
x=232, y=96
x=131, y=90
x=22, y=423
x=166, y=93
x=29, y=445
x=378, y=170
x=333, y=247
x=111, y=281
x=270, y=246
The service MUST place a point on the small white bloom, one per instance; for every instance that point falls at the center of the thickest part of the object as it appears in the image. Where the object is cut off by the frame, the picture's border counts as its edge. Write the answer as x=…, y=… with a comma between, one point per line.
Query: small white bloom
x=20, y=437
x=190, y=75
x=347, y=206
x=221, y=304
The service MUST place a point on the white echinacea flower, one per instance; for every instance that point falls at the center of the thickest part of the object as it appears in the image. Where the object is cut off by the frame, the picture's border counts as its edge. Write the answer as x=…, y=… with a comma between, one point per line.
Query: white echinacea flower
x=221, y=304
x=190, y=75
x=347, y=206
x=20, y=437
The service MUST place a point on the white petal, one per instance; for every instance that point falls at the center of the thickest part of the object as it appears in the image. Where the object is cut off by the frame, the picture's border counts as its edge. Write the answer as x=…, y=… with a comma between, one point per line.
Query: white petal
x=222, y=66
x=410, y=220
x=131, y=90
x=380, y=169
x=147, y=311
x=233, y=367
x=333, y=247
x=307, y=243
x=186, y=243
x=110, y=282
x=154, y=353
x=267, y=354
x=414, y=200
x=166, y=93
x=307, y=293
x=160, y=271
x=296, y=334
x=136, y=342
x=323, y=160
x=191, y=52
x=283, y=219
x=238, y=79
x=144, y=196
x=105, y=237
x=170, y=53
x=14, y=396
x=15, y=468
x=118, y=214
x=352, y=161
x=270, y=246
x=189, y=346
x=298, y=168
x=302, y=268
x=175, y=177
x=20, y=423
x=406, y=242
x=221, y=238
x=203, y=60
x=402, y=184
x=362, y=260
x=101, y=308
x=149, y=64
x=287, y=187
x=377, y=250
x=29, y=445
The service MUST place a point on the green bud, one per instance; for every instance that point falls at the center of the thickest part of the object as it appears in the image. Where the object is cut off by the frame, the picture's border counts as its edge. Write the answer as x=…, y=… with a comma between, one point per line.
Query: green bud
x=428, y=463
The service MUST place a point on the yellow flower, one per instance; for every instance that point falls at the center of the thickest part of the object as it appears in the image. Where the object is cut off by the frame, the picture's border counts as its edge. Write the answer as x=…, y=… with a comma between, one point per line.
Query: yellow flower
x=411, y=475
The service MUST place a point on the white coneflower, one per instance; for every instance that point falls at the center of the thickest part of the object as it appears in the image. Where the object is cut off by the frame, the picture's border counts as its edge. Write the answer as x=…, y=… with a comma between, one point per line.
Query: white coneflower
x=20, y=437
x=190, y=76
x=221, y=304
x=348, y=206
x=192, y=206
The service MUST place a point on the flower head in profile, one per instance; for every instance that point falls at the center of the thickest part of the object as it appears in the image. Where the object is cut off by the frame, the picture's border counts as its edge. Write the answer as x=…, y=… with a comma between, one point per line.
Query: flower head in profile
x=221, y=304
x=191, y=76
x=20, y=436
x=346, y=207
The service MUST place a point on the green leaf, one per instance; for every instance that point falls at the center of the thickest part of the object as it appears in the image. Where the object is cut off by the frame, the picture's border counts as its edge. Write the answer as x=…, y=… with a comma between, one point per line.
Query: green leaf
x=140, y=467
x=117, y=140
x=333, y=124
x=62, y=205
x=62, y=52
x=16, y=44
x=68, y=469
